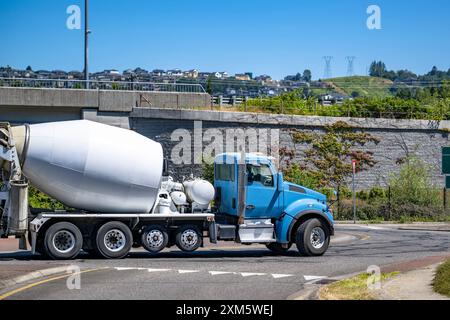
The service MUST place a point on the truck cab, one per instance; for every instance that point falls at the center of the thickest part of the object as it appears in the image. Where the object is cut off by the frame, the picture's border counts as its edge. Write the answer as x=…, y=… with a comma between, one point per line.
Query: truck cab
x=276, y=212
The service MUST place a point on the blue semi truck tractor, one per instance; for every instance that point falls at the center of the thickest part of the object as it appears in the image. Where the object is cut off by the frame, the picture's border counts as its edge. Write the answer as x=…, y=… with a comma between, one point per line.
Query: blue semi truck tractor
x=117, y=183
x=274, y=212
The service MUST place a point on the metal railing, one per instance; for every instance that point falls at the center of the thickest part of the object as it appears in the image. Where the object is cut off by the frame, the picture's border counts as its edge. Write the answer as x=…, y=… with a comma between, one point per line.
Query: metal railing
x=101, y=85
x=224, y=101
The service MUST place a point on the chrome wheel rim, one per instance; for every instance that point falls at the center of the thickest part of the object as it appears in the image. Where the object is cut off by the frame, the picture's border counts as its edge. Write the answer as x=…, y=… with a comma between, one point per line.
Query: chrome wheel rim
x=189, y=238
x=115, y=240
x=155, y=239
x=317, y=238
x=63, y=241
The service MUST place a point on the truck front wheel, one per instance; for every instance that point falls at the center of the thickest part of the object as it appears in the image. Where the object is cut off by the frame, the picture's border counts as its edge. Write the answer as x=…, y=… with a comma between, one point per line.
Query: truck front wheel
x=312, y=238
x=114, y=240
x=63, y=241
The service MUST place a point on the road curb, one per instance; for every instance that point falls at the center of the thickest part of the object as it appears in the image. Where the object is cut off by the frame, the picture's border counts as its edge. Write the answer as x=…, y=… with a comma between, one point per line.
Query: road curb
x=32, y=276
x=311, y=292
x=426, y=227
x=426, y=230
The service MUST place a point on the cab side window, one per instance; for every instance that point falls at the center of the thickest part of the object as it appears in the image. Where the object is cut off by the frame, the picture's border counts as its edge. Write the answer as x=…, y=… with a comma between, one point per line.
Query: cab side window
x=224, y=172
x=260, y=174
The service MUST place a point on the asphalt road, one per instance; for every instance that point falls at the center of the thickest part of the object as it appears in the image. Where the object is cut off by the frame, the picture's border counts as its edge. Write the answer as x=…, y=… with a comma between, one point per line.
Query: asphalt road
x=229, y=273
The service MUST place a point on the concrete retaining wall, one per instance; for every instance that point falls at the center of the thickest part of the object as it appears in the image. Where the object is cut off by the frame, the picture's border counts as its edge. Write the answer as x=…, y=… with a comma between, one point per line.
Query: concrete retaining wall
x=104, y=100
x=398, y=138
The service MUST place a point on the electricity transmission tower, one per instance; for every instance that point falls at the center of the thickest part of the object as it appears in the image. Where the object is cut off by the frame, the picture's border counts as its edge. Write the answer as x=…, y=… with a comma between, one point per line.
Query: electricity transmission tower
x=350, y=65
x=327, y=73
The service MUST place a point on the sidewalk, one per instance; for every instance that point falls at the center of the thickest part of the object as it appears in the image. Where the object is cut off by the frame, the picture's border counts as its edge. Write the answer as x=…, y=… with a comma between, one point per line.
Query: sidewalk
x=414, y=282
x=413, y=285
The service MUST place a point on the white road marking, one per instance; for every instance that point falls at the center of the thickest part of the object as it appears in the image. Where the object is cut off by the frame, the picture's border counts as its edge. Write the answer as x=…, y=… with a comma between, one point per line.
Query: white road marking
x=248, y=274
x=218, y=273
x=158, y=270
x=188, y=271
x=279, y=276
x=313, y=278
x=125, y=269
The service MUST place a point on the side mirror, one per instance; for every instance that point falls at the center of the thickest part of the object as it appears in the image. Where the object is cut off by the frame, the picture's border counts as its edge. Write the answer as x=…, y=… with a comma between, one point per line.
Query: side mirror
x=280, y=182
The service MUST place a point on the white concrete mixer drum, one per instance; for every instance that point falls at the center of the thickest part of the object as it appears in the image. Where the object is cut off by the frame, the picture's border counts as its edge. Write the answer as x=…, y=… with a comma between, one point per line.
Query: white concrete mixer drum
x=199, y=191
x=94, y=167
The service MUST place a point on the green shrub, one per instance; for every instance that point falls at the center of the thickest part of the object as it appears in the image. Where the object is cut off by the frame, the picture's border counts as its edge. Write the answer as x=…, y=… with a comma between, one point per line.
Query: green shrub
x=208, y=171
x=39, y=200
x=413, y=186
x=298, y=175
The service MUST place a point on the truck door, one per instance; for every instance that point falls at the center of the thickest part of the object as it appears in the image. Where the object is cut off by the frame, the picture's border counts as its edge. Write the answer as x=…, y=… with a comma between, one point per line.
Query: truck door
x=263, y=200
x=225, y=183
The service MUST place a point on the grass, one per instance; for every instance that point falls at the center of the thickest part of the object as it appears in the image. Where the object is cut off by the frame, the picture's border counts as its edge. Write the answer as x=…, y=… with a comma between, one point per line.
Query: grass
x=441, y=282
x=371, y=87
x=352, y=289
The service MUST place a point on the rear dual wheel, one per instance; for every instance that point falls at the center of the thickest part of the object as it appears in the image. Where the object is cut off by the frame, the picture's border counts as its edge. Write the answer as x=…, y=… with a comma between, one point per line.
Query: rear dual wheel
x=113, y=240
x=62, y=241
x=154, y=238
x=188, y=238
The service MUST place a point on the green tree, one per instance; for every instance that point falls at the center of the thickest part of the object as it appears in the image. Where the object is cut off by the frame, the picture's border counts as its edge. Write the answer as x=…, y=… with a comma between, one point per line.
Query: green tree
x=377, y=69
x=329, y=156
x=307, y=75
x=209, y=88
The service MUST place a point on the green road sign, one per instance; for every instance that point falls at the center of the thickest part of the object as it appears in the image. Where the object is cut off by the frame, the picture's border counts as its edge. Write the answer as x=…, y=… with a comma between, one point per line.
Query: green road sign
x=446, y=160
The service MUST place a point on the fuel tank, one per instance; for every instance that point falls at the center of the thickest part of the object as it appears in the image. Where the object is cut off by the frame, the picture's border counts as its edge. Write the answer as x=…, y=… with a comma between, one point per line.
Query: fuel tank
x=92, y=166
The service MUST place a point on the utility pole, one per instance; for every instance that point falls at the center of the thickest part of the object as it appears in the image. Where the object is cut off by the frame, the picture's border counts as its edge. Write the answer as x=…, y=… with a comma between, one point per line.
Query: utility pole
x=86, y=42
x=327, y=72
x=350, y=65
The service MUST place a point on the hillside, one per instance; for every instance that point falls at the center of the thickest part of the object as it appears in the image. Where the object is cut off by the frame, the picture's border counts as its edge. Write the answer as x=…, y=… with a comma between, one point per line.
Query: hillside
x=364, y=86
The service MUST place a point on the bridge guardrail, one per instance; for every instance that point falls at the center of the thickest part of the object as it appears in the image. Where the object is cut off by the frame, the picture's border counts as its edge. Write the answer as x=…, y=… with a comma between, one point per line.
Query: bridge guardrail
x=101, y=85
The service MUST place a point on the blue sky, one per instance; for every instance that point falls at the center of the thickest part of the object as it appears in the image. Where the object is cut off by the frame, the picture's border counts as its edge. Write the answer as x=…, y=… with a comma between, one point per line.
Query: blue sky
x=261, y=36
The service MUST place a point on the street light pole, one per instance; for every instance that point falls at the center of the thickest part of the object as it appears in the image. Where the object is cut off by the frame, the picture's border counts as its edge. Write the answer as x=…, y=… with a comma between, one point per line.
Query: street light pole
x=86, y=42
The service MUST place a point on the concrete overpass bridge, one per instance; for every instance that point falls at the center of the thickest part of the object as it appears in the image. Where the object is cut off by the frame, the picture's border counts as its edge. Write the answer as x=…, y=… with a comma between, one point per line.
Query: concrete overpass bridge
x=34, y=105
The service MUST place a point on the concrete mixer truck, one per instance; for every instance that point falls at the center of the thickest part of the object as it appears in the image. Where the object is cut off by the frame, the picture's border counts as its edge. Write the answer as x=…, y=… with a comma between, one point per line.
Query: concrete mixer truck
x=116, y=180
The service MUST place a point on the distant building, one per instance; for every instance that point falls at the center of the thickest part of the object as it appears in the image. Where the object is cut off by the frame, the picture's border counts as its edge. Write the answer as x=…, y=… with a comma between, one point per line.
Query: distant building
x=242, y=77
x=193, y=74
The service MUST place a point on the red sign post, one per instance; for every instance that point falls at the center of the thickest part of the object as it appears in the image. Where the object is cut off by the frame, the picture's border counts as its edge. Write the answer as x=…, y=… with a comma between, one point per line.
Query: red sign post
x=354, y=162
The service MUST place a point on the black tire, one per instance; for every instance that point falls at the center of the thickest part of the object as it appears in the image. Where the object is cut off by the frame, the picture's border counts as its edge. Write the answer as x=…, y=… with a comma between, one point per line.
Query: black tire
x=188, y=238
x=113, y=240
x=307, y=243
x=277, y=248
x=154, y=238
x=62, y=241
